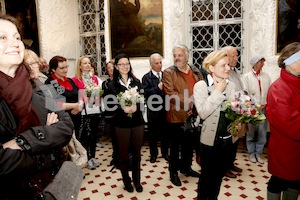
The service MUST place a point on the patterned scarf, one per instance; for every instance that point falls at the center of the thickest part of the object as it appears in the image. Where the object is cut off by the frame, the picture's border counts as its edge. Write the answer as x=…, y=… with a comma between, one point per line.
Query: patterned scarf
x=17, y=93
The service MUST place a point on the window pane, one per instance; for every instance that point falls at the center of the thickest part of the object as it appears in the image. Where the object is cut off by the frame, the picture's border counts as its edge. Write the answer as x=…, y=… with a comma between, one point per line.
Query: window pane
x=202, y=10
x=230, y=9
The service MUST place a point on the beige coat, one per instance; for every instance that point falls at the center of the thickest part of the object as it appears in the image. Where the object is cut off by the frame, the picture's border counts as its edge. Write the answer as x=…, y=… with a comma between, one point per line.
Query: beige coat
x=209, y=107
x=251, y=85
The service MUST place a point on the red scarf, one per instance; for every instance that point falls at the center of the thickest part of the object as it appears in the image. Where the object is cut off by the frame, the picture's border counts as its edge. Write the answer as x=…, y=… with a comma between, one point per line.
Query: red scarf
x=258, y=79
x=17, y=93
x=65, y=83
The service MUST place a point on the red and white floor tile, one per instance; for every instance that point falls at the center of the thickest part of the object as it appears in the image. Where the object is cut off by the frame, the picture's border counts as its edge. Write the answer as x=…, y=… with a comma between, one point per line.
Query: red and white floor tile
x=104, y=184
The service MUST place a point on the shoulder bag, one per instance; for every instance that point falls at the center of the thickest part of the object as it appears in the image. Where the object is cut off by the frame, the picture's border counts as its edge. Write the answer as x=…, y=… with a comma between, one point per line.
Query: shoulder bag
x=192, y=124
x=77, y=152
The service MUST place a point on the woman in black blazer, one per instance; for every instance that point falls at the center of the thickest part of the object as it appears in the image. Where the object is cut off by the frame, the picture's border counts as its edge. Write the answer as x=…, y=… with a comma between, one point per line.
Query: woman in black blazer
x=129, y=130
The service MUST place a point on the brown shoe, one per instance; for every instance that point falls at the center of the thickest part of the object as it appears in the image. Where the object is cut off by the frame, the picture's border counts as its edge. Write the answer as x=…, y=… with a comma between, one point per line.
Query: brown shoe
x=229, y=174
x=236, y=169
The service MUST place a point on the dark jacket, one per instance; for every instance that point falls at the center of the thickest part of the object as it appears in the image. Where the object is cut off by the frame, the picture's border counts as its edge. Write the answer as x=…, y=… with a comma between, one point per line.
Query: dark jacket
x=150, y=85
x=175, y=84
x=16, y=166
x=120, y=118
x=71, y=97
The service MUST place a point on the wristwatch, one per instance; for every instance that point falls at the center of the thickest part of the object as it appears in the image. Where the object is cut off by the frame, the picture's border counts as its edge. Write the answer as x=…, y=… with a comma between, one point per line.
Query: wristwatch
x=22, y=143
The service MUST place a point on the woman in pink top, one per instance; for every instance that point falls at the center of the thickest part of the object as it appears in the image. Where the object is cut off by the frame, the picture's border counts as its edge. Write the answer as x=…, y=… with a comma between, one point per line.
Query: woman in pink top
x=84, y=78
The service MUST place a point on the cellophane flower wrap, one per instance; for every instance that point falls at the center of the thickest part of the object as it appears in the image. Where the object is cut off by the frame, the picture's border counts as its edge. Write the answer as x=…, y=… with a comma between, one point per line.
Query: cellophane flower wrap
x=242, y=109
x=130, y=97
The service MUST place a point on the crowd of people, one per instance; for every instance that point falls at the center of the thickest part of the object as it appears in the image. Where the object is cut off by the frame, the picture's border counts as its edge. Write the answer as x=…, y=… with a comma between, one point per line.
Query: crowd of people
x=33, y=130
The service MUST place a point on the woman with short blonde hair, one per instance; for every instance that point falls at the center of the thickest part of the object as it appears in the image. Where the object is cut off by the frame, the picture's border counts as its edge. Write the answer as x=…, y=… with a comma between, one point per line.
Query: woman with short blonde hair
x=216, y=142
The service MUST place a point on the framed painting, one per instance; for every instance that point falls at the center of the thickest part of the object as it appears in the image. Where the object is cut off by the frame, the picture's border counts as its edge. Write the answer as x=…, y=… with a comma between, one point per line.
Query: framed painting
x=136, y=27
x=288, y=22
x=25, y=12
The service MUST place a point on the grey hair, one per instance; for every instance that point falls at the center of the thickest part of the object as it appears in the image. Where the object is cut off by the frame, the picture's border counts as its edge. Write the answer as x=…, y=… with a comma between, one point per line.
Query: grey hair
x=227, y=48
x=182, y=46
x=153, y=56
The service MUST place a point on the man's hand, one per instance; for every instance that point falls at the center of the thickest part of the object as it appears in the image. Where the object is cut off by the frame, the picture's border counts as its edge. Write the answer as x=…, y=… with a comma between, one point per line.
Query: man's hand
x=160, y=85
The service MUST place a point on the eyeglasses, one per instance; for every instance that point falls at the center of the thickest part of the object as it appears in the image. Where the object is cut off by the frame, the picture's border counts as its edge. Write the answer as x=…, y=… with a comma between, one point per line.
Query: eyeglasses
x=124, y=64
x=65, y=67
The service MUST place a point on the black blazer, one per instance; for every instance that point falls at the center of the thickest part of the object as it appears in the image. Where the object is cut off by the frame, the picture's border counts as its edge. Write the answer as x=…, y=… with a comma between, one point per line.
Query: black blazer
x=149, y=84
x=120, y=118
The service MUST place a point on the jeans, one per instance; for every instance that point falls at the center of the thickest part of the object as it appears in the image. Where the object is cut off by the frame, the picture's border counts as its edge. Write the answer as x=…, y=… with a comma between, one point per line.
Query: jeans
x=257, y=146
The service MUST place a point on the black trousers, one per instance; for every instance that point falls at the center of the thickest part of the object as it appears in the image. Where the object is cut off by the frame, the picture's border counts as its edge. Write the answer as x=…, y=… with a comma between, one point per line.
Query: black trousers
x=157, y=130
x=215, y=161
x=277, y=185
x=89, y=138
x=109, y=122
x=129, y=140
x=181, y=149
x=233, y=153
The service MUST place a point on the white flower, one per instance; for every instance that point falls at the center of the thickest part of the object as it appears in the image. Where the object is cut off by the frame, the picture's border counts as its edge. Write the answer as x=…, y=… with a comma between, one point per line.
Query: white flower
x=130, y=97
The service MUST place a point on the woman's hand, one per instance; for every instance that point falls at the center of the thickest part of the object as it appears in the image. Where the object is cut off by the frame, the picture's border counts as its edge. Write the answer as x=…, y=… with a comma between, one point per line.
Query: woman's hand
x=220, y=85
x=77, y=108
x=130, y=109
x=52, y=118
x=262, y=107
x=12, y=144
x=238, y=127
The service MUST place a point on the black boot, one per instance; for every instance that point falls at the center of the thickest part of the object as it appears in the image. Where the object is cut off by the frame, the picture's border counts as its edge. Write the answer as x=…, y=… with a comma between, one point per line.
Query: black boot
x=127, y=181
x=136, y=176
x=175, y=179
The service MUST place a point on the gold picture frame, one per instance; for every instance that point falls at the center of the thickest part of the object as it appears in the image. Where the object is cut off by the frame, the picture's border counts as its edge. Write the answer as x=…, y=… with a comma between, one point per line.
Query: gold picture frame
x=136, y=27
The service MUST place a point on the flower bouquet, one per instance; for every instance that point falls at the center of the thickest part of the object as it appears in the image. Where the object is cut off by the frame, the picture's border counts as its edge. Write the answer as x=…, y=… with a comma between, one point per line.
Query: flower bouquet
x=243, y=110
x=130, y=98
x=93, y=90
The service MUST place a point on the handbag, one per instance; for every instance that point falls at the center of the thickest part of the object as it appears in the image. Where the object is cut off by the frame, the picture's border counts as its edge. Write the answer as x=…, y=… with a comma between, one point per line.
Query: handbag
x=84, y=130
x=192, y=124
x=77, y=152
x=66, y=183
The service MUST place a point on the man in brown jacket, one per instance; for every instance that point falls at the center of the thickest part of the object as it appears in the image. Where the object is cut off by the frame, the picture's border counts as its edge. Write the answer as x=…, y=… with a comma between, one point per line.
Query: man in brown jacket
x=178, y=82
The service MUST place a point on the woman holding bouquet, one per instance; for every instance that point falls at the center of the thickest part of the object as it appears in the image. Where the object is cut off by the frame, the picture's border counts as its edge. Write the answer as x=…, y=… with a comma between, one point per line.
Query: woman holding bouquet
x=128, y=122
x=216, y=141
x=88, y=83
x=283, y=112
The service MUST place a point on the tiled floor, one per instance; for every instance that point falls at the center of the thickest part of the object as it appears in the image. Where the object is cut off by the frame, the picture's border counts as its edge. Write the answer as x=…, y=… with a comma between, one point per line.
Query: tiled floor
x=102, y=183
